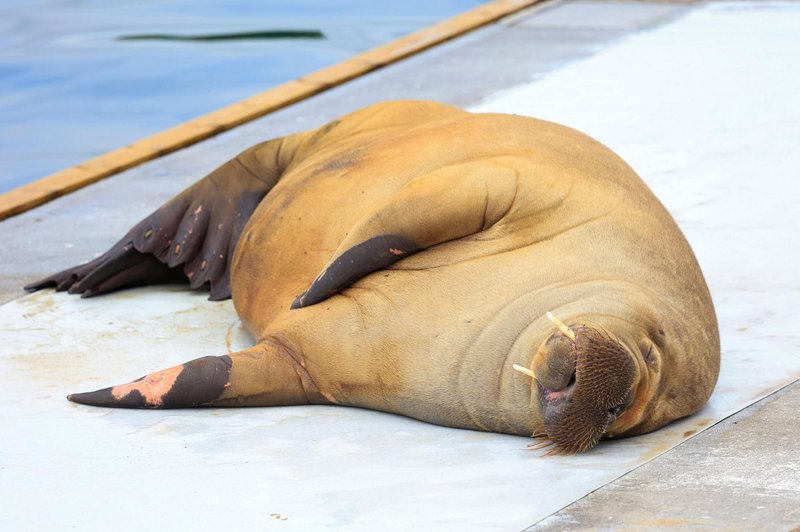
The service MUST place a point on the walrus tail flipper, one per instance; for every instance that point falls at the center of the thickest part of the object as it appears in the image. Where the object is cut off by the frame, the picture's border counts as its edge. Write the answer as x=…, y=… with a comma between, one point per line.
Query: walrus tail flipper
x=451, y=203
x=264, y=375
x=191, y=237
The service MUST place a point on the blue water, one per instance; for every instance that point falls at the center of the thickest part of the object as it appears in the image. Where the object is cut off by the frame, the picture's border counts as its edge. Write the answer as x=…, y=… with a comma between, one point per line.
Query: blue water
x=70, y=89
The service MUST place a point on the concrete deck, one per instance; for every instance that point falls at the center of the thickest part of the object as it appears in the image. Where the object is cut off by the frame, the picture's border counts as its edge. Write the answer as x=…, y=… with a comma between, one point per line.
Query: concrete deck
x=700, y=99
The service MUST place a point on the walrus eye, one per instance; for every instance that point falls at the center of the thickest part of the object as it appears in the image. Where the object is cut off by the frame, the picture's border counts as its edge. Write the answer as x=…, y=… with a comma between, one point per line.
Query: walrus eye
x=614, y=411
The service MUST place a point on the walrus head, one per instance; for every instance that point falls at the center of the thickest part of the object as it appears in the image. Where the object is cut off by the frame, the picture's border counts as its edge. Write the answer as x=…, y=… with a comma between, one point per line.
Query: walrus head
x=585, y=379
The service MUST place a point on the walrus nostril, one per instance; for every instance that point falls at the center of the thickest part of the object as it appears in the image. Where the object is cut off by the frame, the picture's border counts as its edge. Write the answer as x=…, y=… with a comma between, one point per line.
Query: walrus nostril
x=558, y=374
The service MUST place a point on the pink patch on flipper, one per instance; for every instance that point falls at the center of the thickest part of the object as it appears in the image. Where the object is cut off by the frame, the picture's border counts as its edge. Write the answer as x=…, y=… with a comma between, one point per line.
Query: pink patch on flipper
x=153, y=387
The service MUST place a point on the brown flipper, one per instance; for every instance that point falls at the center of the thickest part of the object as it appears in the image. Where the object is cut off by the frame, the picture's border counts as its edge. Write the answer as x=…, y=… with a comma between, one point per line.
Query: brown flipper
x=191, y=237
x=448, y=204
x=267, y=374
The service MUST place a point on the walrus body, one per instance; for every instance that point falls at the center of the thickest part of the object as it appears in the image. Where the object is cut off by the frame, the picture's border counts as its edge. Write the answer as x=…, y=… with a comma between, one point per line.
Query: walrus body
x=403, y=258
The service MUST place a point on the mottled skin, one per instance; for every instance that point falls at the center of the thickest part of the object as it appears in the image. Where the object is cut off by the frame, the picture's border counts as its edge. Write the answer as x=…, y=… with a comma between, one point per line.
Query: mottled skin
x=403, y=257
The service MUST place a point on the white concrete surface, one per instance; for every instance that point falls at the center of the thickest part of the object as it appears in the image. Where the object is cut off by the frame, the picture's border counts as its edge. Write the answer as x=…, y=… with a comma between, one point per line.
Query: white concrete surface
x=705, y=109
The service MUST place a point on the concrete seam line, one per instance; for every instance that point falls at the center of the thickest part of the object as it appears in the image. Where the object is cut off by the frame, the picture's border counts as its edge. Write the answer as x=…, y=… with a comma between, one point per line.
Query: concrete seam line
x=55, y=185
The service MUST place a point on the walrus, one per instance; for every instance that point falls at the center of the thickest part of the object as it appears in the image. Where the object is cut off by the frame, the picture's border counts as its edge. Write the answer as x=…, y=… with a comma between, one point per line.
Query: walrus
x=409, y=257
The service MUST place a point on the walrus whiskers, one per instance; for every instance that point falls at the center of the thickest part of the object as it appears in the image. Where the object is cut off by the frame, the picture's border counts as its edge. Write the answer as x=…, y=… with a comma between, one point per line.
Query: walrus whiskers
x=563, y=328
x=540, y=445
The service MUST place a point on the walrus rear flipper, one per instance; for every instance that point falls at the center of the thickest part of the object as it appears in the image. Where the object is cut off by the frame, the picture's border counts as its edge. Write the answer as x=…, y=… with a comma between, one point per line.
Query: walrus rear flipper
x=450, y=203
x=198, y=229
x=264, y=375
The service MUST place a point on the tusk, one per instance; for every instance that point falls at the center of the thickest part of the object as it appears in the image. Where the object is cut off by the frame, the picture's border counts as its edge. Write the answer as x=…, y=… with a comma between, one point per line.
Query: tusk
x=526, y=371
x=563, y=328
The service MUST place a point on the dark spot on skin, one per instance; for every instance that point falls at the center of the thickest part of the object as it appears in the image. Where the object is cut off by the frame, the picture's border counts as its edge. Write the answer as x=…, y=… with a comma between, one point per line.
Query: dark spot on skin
x=347, y=161
x=689, y=433
x=355, y=263
x=201, y=381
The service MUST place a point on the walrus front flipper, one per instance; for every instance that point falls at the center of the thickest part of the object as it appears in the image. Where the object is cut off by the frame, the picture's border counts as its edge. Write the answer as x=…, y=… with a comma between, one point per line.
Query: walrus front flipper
x=191, y=237
x=451, y=203
x=264, y=375
x=121, y=266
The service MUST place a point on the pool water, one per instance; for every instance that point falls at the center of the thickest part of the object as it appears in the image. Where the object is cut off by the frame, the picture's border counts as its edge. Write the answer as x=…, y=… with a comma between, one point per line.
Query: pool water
x=79, y=78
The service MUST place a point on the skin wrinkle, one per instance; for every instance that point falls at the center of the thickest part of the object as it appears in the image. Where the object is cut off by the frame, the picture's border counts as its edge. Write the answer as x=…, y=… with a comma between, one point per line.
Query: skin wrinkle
x=299, y=364
x=545, y=238
x=538, y=214
x=257, y=177
x=359, y=308
x=644, y=288
x=496, y=318
x=485, y=205
x=553, y=207
x=506, y=367
x=486, y=225
x=362, y=317
x=372, y=290
x=459, y=374
x=277, y=162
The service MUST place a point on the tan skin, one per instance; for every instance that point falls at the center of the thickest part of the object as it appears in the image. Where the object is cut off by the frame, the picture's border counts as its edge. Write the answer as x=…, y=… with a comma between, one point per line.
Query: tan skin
x=403, y=258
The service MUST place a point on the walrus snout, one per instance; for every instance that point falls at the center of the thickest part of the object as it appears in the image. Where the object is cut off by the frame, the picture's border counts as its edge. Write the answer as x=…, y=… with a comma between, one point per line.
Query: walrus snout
x=583, y=386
